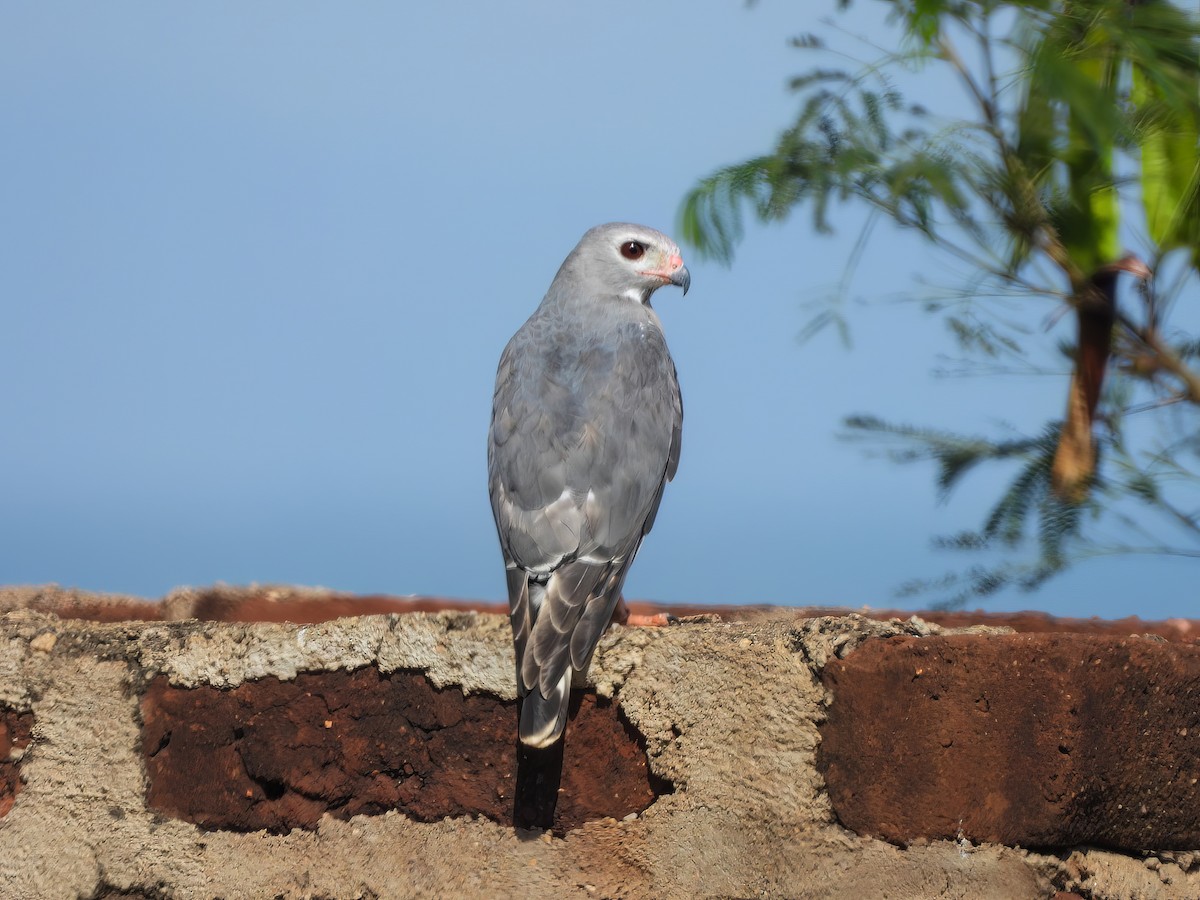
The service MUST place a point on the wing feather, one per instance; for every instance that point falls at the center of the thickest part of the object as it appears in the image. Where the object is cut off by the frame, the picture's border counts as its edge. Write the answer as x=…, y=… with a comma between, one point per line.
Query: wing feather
x=585, y=434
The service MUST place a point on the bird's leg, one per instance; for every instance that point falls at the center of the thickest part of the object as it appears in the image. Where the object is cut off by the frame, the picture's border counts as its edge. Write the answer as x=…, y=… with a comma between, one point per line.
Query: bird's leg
x=622, y=616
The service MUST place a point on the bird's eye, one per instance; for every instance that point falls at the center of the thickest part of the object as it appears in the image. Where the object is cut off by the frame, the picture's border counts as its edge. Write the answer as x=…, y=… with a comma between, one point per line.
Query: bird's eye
x=633, y=249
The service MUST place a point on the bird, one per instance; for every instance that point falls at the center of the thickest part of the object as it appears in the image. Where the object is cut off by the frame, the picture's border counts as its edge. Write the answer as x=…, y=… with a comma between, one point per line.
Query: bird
x=586, y=426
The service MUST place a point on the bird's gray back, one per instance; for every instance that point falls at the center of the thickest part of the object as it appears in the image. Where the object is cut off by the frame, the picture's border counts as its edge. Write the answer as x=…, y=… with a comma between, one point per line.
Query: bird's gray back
x=586, y=427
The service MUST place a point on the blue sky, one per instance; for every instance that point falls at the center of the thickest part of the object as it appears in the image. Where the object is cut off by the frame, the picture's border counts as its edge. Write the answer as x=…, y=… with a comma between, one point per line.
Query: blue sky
x=259, y=261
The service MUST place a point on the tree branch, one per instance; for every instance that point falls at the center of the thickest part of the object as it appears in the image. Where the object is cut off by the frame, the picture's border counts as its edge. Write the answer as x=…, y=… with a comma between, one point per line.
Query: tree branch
x=1167, y=358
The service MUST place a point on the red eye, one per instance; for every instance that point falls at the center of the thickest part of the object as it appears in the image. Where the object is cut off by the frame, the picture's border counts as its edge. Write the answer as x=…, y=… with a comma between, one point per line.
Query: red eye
x=633, y=250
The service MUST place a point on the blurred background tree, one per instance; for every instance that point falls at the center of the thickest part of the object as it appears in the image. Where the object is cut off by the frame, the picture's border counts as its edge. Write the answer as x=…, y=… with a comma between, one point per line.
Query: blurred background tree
x=1082, y=140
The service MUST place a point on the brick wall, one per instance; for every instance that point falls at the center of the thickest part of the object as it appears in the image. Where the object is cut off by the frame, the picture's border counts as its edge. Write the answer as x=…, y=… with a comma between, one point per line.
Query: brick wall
x=247, y=743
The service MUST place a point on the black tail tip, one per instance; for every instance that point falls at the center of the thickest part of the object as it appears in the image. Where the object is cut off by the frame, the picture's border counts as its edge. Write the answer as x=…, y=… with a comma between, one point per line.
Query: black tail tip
x=539, y=774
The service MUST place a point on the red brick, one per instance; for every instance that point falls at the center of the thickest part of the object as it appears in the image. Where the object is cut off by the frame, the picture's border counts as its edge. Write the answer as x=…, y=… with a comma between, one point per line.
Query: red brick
x=16, y=729
x=310, y=607
x=278, y=754
x=1037, y=740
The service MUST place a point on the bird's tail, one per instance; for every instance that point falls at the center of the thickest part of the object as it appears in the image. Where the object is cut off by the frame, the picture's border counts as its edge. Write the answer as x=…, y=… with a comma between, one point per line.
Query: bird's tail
x=543, y=718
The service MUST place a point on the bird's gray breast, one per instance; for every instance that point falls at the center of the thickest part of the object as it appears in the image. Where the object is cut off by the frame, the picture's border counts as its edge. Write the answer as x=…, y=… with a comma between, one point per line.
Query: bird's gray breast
x=585, y=417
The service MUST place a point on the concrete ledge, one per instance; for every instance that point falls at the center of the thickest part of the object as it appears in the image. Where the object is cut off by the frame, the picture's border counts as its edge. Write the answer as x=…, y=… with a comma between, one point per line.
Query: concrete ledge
x=729, y=713
x=309, y=605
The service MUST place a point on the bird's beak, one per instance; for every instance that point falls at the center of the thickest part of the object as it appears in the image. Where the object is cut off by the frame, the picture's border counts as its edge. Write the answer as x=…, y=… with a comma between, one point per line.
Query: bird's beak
x=673, y=271
x=682, y=278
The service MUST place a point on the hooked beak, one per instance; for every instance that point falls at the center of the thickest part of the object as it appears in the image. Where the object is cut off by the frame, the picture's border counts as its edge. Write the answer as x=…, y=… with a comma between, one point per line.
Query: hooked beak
x=673, y=271
x=681, y=277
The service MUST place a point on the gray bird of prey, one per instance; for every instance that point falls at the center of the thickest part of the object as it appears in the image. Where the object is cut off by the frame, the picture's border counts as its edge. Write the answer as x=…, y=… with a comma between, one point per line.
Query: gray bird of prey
x=586, y=423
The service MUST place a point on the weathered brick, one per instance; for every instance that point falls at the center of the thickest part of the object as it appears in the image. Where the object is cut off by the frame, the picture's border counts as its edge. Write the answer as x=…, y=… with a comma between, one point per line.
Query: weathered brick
x=69, y=603
x=16, y=729
x=1039, y=740
x=278, y=754
x=309, y=606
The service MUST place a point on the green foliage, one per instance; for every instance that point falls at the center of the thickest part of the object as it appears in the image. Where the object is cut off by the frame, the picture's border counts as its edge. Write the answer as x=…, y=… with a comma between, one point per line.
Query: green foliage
x=845, y=144
x=1170, y=168
x=1028, y=513
x=1083, y=110
x=1027, y=497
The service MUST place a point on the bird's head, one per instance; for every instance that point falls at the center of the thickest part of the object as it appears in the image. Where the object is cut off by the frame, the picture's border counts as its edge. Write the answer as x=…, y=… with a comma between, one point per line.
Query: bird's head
x=632, y=260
